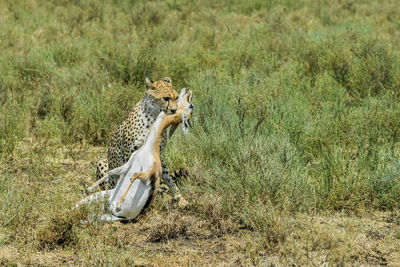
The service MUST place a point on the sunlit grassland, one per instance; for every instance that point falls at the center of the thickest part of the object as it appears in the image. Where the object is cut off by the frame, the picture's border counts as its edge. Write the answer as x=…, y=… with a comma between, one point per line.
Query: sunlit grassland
x=296, y=113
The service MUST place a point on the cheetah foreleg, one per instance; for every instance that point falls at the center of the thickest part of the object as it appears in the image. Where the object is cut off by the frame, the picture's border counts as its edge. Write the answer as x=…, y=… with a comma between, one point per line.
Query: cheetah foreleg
x=176, y=195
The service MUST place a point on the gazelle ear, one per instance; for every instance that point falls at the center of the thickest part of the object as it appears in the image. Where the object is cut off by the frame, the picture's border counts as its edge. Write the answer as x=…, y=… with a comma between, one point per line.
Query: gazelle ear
x=149, y=83
x=182, y=93
x=185, y=124
x=190, y=96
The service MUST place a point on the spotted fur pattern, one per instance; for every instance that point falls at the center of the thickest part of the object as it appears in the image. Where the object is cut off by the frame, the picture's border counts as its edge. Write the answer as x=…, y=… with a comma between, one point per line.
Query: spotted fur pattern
x=132, y=133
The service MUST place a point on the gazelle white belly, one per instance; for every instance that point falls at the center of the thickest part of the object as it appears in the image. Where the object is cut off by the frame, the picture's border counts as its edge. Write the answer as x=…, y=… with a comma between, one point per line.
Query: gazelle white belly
x=138, y=194
x=135, y=200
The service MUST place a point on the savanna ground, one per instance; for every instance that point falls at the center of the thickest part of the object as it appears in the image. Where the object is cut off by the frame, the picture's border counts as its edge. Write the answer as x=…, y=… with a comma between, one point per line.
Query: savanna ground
x=294, y=158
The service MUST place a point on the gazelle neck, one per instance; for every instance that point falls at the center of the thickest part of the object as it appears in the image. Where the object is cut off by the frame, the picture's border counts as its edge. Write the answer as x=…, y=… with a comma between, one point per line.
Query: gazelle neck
x=162, y=122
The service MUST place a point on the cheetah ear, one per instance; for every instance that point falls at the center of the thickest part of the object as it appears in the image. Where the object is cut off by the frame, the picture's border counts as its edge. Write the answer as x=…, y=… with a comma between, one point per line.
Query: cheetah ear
x=167, y=79
x=149, y=83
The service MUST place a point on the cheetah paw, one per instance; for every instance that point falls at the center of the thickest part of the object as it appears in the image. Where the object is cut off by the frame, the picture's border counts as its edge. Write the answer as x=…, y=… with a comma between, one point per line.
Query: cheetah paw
x=163, y=189
x=181, y=202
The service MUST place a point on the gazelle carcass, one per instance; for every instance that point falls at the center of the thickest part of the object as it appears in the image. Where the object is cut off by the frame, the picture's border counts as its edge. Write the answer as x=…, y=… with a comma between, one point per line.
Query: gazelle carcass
x=140, y=176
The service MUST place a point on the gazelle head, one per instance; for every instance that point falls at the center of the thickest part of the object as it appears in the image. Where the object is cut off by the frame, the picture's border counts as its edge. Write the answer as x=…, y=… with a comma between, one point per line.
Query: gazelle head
x=185, y=110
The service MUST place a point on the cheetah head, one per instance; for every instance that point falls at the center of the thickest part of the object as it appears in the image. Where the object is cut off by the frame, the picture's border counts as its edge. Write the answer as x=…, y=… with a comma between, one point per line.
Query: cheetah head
x=163, y=94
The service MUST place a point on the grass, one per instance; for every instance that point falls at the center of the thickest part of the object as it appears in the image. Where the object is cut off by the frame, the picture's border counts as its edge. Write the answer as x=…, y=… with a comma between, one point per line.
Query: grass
x=294, y=157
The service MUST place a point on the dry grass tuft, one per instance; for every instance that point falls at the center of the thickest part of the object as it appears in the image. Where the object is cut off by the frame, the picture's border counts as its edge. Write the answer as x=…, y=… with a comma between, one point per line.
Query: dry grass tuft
x=172, y=226
x=58, y=231
x=211, y=208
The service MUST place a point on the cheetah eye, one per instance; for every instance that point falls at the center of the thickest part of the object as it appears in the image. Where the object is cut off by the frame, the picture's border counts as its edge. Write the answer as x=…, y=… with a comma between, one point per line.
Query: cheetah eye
x=176, y=98
x=166, y=99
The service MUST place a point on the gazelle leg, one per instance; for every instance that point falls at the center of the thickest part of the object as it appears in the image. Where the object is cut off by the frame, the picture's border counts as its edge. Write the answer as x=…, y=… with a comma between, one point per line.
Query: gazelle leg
x=116, y=171
x=103, y=218
x=97, y=183
x=142, y=175
x=110, y=218
x=102, y=195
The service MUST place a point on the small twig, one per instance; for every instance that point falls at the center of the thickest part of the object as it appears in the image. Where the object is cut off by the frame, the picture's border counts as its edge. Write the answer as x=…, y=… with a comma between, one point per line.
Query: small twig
x=257, y=125
x=241, y=115
x=34, y=70
x=92, y=229
x=89, y=224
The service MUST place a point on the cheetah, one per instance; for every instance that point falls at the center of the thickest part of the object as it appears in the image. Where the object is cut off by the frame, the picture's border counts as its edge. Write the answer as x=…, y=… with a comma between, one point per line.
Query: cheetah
x=132, y=133
x=132, y=197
